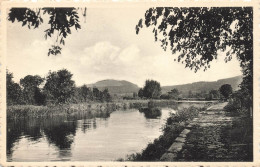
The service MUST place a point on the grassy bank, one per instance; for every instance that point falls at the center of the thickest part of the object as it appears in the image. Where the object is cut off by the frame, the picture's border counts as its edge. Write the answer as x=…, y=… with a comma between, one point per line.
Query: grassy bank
x=171, y=130
x=22, y=111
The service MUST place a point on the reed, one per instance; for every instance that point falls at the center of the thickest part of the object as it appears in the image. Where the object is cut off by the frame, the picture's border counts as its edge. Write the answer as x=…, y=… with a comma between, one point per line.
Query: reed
x=22, y=111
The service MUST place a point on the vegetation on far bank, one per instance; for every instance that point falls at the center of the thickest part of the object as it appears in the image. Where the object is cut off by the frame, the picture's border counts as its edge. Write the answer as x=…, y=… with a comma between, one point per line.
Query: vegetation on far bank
x=23, y=111
x=59, y=88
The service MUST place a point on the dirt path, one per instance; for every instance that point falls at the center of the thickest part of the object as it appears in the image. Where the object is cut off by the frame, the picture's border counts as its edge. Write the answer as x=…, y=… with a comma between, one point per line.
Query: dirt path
x=214, y=135
x=217, y=136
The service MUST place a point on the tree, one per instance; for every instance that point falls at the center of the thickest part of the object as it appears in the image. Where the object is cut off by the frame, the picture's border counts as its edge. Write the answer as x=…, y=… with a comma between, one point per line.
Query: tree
x=214, y=94
x=174, y=93
x=134, y=95
x=96, y=94
x=106, y=96
x=196, y=34
x=152, y=89
x=13, y=90
x=82, y=94
x=226, y=90
x=59, y=87
x=31, y=90
x=61, y=20
x=39, y=97
x=141, y=93
x=190, y=94
x=85, y=92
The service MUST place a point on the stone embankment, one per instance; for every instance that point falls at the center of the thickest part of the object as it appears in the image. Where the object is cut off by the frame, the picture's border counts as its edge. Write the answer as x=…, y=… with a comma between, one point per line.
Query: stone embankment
x=176, y=147
x=188, y=140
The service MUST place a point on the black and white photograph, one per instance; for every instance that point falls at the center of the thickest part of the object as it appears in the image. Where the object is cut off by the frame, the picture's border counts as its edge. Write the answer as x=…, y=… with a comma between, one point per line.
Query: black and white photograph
x=129, y=84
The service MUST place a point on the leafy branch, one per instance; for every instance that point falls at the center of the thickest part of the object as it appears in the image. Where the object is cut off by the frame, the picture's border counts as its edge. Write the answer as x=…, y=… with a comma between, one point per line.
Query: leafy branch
x=61, y=21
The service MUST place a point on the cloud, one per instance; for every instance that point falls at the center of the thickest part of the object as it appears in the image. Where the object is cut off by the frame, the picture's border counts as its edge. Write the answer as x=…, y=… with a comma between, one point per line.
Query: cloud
x=104, y=60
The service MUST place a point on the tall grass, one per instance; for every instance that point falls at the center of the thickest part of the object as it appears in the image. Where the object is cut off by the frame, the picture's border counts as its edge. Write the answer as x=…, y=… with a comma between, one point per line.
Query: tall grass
x=22, y=111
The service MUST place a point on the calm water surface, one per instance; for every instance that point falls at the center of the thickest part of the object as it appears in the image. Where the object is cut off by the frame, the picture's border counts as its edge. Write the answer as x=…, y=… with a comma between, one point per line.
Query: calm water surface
x=102, y=137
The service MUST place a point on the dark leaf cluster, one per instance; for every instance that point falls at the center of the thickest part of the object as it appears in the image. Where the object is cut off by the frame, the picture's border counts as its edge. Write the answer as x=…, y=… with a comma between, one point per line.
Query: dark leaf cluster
x=26, y=16
x=61, y=21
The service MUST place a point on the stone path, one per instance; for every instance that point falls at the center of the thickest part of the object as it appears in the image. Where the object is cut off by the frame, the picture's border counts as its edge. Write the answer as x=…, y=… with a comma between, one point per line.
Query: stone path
x=212, y=136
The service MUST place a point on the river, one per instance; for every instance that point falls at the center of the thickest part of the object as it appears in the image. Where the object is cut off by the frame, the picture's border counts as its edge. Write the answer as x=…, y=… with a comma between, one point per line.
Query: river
x=104, y=137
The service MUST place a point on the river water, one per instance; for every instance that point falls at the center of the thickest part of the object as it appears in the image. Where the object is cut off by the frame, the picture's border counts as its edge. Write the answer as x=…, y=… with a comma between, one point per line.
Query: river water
x=102, y=137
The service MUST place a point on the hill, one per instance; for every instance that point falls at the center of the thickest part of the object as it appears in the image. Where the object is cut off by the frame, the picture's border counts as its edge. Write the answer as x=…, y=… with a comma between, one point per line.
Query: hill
x=125, y=87
x=116, y=86
x=205, y=86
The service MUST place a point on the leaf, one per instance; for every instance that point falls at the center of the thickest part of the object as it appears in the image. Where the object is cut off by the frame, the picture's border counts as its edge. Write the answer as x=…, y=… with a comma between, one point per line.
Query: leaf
x=24, y=22
x=68, y=30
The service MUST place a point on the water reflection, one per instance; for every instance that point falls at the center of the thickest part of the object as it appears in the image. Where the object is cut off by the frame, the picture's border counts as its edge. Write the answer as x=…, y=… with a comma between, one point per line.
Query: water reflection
x=22, y=127
x=86, y=136
x=58, y=130
x=151, y=113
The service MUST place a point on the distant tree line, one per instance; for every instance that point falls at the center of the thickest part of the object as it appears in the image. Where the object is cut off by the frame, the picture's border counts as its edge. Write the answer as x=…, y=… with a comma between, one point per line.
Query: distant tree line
x=57, y=88
x=152, y=90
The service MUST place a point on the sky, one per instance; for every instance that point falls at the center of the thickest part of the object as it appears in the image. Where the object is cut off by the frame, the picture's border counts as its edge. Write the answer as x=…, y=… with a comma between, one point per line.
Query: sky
x=106, y=47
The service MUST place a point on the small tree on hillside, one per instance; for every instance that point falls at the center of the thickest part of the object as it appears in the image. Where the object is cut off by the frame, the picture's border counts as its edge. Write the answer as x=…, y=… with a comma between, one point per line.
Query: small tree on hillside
x=134, y=95
x=226, y=90
x=214, y=94
x=174, y=93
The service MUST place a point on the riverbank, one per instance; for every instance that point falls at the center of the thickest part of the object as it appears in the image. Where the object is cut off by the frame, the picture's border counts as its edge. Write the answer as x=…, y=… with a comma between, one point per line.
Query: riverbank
x=174, y=125
x=21, y=111
x=218, y=135
x=206, y=135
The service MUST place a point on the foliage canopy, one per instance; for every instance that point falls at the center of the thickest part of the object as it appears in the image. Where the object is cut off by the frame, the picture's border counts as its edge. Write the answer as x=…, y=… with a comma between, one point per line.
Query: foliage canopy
x=59, y=86
x=196, y=34
x=31, y=90
x=151, y=89
x=226, y=90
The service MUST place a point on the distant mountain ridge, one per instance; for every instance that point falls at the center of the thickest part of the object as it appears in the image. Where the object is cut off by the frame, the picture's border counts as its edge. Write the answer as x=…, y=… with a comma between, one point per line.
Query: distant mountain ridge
x=116, y=86
x=205, y=85
x=126, y=87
